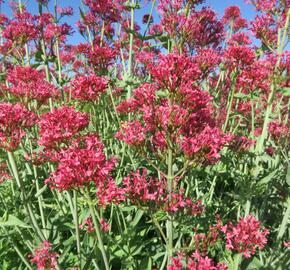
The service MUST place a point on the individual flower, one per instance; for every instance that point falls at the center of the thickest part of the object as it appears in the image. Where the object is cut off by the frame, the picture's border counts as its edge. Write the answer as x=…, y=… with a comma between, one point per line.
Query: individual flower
x=4, y=173
x=233, y=17
x=88, y=225
x=14, y=120
x=56, y=31
x=132, y=133
x=87, y=88
x=265, y=28
x=105, y=226
x=246, y=236
x=65, y=11
x=101, y=58
x=44, y=257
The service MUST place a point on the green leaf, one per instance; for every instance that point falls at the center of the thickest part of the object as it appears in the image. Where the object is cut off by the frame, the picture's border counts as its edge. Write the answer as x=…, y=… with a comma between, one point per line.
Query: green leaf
x=288, y=175
x=265, y=180
x=137, y=218
x=254, y=264
x=285, y=91
x=40, y=191
x=13, y=221
x=146, y=264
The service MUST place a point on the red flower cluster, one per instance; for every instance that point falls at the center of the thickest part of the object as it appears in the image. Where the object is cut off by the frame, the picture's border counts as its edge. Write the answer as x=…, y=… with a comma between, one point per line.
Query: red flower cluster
x=14, y=119
x=195, y=262
x=246, y=236
x=21, y=29
x=193, y=28
x=83, y=162
x=233, y=17
x=173, y=108
x=4, y=173
x=60, y=126
x=30, y=84
x=44, y=258
x=152, y=193
x=87, y=88
x=88, y=225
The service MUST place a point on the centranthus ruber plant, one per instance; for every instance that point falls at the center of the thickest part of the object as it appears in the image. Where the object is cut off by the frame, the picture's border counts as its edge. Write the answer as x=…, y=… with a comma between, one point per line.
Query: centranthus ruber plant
x=145, y=135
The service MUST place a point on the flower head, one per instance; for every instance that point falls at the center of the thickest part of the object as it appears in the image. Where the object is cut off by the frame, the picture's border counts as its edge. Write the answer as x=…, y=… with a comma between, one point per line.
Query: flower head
x=246, y=236
x=88, y=88
x=60, y=126
x=43, y=257
x=14, y=119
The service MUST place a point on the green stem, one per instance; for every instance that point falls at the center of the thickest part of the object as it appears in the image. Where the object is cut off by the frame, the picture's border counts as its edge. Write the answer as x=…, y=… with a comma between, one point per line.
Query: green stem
x=237, y=261
x=230, y=104
x=18, y=251
x=98, y=232
x=74, y=211
x=169, y=224
x=281, y=46
x=130, y=61
x=23, y=197
x=284, y=223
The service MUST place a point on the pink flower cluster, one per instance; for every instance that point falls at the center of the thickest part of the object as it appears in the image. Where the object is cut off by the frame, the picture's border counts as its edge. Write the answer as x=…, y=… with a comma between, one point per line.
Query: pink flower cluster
x=173, y=108
x=83, y=162
x=193, y=28
x=44, y=258
x=29, y=84
x=87, y=88
x=4, y=172
x=246, y=236
x=152, y=193
x=88, y=225
x=60, y=126
x=194, y=262
x=21, y=29
x=233, y=17
x=14, y=119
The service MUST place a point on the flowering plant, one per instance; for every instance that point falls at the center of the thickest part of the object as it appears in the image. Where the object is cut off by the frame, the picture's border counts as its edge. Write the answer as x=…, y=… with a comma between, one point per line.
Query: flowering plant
x=144, y=140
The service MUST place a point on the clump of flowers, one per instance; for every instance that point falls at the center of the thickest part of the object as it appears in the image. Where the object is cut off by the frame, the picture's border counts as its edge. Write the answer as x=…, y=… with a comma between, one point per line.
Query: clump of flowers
x=87, y=88
x=149, y=192
x=14, y=120
x=83, y=162
x=246, y=236
x=88, y=225
x=29, y=84
x=4, y=173
x=194, y=262
x=60, y=126
x=173, y=110
x=43, y=257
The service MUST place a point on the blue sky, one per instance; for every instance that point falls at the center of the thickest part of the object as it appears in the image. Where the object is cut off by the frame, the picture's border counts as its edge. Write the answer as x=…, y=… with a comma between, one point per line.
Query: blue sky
x=218, y=5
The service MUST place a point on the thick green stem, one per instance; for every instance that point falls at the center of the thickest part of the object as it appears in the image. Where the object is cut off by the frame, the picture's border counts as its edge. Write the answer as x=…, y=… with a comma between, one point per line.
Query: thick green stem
x=230, y=104
x=98, y=232
x=18, y=251
x=24, y=199
x=237, y=261
x=281, y=46
x=74, y=210
x=130, y=61
x=284, y=223
x=169, y=224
